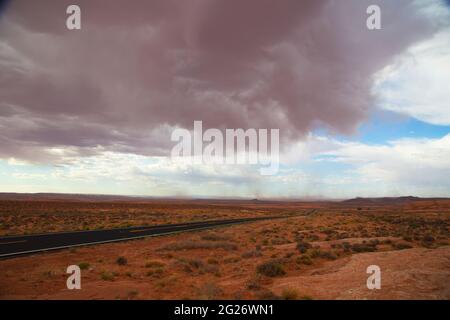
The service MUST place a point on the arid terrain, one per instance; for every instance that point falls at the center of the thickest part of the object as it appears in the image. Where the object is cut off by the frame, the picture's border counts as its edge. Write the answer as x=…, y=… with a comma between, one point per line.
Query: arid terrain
x=321, y=252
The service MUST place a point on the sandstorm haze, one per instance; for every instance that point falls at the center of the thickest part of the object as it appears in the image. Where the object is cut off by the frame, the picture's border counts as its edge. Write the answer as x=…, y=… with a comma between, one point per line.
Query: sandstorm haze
x=360, y=112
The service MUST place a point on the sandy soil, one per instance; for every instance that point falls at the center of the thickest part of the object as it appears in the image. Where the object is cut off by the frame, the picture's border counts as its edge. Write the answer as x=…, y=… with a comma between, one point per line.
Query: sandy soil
x=321, y=255
x=407, y=274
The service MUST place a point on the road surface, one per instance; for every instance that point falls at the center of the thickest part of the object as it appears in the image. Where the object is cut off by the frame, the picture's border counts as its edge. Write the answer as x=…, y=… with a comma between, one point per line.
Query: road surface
x=20, y=245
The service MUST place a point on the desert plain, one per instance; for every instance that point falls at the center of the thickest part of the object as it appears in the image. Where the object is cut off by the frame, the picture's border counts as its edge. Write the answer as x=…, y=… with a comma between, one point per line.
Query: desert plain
x=319, y=250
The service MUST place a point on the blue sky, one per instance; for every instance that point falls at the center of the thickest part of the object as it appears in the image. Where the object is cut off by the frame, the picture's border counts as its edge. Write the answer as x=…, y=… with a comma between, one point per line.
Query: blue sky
x=384, y=126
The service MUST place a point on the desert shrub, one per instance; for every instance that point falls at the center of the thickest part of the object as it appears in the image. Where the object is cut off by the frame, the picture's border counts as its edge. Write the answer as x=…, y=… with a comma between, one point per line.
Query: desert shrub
x=271, y=268
x=254, y=283
x=401, y=246
x=361, y=247
x=342, y=235
x=106, y=276
x=154, y=264
x=251, y=254
x=132, y=294
x=189, y=245
x=195, y=263
x=212, y=261
x=84, y=265
x=231, y=259
x=211, y=268
x=313, y=237
x=289, y=294
x=278, y=241
x=428, y=238
x=304, y=259
x=214, y=237
x=407, y=238
x=165, y=282
x=121, y=261
x=317, y=253
x=328, y=255
x=328, y=231
x=157, y=273
x=49, y=273
x=347, y=246
x=209, y=291
x=288, y=255
x=303, y=246
x=266, y=294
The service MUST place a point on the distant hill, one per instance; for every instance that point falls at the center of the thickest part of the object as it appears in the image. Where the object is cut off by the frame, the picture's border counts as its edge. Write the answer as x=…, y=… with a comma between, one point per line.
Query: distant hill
x=12, y=196
x=386, y=200
x=64, y=197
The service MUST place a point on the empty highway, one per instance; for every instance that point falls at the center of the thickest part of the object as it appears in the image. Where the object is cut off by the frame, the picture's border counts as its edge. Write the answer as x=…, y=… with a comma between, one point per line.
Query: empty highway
x=20, y=245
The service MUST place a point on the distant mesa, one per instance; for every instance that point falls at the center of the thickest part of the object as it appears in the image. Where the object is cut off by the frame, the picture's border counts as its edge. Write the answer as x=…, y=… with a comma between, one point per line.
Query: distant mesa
x=384, y=200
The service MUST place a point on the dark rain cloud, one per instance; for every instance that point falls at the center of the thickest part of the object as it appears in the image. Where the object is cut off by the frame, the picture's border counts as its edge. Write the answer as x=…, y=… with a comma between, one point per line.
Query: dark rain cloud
x=138, y=68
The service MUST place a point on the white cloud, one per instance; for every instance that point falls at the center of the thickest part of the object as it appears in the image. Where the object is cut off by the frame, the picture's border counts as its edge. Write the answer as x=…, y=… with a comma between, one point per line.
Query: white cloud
x=406, y=166
x=317, y=167
x=418, y=83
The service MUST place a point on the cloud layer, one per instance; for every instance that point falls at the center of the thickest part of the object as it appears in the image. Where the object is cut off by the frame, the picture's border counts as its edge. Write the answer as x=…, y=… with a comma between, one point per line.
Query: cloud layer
x=325, y=167
x=138, y=69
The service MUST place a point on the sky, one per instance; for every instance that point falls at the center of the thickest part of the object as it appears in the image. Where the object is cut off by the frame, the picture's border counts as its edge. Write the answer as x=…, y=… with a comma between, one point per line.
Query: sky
x=360, y=112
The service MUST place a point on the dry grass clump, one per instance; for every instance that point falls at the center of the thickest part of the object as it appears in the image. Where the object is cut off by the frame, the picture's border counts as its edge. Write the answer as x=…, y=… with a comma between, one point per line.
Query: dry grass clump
x=303, y=246
x=209, y=291
x=289, y=294
x=106, y=276
x=156, y=273
x=154, y=264
x=265, y=294
x=364, y=247
x=84, y=265
x=192, y=245
x=197, y=266
x=401, y=246
x=304, y=259
x=121, y=261
x=317, y=253
x=252, y=254
x=215, y=237
x=271, y=268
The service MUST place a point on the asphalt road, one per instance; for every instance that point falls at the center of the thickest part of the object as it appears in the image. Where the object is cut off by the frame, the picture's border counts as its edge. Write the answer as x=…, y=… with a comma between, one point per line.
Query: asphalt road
x=20, y=245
